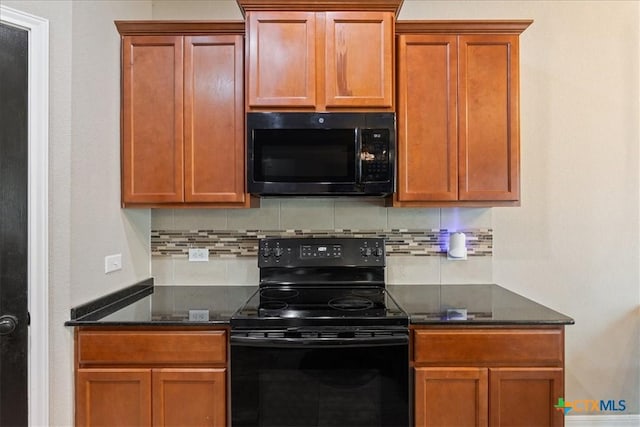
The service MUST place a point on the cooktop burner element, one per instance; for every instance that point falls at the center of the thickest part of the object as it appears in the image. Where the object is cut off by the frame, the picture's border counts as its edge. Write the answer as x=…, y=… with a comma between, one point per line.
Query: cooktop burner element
x=320, y=282
x=350, y=303
x=279, y=294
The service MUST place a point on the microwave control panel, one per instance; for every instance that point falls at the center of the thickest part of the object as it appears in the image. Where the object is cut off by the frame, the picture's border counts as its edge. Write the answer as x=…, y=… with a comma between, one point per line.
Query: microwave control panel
x=374, y=155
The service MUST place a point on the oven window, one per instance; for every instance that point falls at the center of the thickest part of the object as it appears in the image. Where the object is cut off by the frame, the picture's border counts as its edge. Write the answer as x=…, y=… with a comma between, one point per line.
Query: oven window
x=304, y=155
x=320, y=387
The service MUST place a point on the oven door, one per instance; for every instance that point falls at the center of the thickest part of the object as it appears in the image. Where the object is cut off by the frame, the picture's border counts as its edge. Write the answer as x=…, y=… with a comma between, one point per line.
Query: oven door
x=358, y=381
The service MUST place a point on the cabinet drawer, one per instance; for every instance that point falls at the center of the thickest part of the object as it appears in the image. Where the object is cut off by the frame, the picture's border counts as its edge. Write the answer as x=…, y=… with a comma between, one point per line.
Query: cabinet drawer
x=146, y=348
x=489, y=347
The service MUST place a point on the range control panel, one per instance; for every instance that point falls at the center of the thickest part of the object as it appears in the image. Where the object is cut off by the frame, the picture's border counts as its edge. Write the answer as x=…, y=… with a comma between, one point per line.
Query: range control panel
x=321, y=252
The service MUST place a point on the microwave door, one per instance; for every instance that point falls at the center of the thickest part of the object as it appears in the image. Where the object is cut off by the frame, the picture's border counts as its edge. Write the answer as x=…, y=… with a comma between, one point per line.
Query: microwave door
x=304, y=161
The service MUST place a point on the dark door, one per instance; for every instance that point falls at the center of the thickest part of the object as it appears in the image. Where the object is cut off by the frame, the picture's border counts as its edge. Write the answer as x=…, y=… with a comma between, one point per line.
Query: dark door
x=13, y=225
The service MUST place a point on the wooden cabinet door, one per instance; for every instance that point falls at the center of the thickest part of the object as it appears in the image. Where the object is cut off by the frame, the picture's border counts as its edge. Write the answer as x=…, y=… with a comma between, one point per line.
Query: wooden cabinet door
x=488, y=84
x=451, y=397
x=189, y=397
x=282, y=59
x=113, y=397
x=152, y=119
x=525, y=396
x=214, y=119
x=359, y=59
x=427, y=118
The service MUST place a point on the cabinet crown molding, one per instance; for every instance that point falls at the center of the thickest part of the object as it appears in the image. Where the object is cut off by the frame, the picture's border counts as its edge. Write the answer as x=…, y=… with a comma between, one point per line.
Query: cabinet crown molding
x=463, y=27
x=135, y=28
x=320, y=5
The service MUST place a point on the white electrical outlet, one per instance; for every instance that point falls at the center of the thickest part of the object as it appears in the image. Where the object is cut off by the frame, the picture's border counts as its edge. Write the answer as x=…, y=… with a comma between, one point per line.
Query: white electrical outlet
x=198, y=254
x=198, y=315
x=112, y=263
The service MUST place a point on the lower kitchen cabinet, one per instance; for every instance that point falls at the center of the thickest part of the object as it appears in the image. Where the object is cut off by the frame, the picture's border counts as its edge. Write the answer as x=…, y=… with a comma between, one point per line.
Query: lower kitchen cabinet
x=451, y=397
x=129, y=377
x=117, y=397
x=488, y=376
x=525, y=396
x=135, y=397
x=189, y=397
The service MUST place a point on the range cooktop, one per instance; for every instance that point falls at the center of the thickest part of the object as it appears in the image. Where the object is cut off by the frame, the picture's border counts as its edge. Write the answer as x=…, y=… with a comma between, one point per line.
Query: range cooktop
x=294, y=306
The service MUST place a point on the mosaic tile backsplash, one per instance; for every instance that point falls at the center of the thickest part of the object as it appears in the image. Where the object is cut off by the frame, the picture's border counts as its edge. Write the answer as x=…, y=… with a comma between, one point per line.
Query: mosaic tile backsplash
x=233, y=243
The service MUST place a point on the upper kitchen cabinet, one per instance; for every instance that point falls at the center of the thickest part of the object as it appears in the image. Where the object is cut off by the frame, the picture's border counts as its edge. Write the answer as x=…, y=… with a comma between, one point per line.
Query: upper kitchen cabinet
x=320, y=55
x=458, y=113
x=182, y=114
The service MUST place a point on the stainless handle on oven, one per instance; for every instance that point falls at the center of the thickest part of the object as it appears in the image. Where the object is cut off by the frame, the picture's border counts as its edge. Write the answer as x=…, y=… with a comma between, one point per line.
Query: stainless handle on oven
x=387, y=340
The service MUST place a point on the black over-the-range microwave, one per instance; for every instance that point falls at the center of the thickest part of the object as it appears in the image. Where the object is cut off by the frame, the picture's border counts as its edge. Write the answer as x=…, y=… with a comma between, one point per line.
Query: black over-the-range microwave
x=321, y=154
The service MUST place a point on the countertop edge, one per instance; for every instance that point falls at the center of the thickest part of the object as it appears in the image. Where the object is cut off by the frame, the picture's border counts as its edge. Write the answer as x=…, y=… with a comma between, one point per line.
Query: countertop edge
x=453, y=323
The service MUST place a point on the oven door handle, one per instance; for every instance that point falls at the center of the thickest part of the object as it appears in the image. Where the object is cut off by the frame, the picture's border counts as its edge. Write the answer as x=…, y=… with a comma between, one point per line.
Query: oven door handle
x=381, y=341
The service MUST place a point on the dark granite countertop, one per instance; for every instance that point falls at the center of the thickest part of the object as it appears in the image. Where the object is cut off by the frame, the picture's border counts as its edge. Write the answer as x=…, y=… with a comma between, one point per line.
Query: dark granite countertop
x=144, y=304
x=483, y=304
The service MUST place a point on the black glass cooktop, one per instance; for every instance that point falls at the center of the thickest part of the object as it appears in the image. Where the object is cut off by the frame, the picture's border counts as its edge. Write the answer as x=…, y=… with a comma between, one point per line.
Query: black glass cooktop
x=319, y=306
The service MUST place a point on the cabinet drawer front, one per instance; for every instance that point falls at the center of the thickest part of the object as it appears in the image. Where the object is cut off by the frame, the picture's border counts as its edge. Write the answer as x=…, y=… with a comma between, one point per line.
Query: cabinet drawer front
x=151, y=348
x=489, y=347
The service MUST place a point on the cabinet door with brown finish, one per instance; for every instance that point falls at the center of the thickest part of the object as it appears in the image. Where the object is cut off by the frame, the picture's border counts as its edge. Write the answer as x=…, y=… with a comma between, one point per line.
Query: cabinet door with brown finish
x=113, y=397
x=451, y=397
x=213, y=114
x=525, y=396
x=427, y=118
x=488, y=112
x=359, y=59
x=152, y=119
x=189, y=397
x=282, y=59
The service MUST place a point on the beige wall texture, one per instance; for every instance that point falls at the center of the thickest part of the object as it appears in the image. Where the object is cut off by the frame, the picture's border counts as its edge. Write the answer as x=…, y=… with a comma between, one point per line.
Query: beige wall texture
x=572, y=245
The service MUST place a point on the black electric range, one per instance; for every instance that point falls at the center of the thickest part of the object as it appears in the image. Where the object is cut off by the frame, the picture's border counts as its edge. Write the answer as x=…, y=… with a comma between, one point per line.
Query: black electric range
x=337, y=282
x=321, y=342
